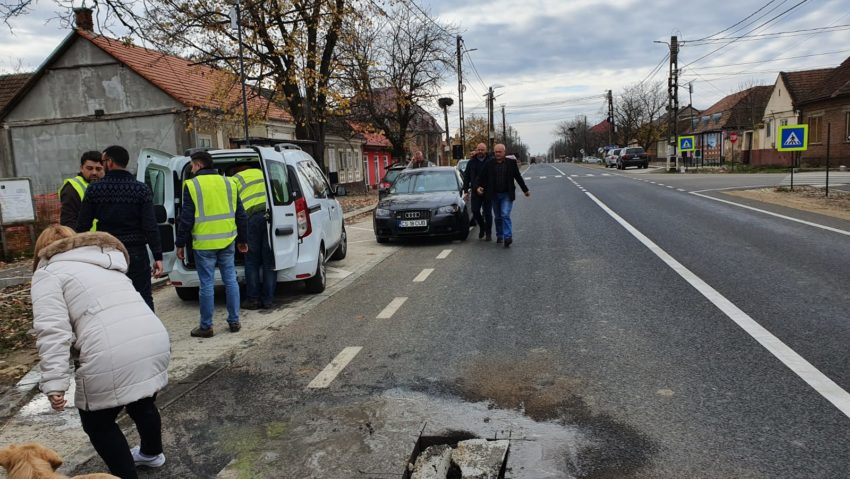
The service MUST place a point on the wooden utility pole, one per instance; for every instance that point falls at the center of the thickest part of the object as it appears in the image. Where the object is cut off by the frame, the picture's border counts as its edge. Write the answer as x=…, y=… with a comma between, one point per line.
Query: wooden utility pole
x=461, y=126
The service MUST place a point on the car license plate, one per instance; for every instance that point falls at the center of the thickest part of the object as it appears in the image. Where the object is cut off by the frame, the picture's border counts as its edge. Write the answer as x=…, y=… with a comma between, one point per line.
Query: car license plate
x=413, y=223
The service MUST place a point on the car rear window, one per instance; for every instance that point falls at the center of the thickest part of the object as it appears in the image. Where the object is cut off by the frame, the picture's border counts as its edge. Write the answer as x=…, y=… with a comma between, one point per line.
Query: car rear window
x=634, y=151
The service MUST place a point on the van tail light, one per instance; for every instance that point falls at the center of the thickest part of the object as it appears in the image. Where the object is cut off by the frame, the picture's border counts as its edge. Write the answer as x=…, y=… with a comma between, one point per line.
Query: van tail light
x=305, y=226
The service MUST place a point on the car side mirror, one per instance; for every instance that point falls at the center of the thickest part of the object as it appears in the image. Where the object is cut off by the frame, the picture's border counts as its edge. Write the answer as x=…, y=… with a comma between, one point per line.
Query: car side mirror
x=383, y=192
x=160, y=214
x=340, y=191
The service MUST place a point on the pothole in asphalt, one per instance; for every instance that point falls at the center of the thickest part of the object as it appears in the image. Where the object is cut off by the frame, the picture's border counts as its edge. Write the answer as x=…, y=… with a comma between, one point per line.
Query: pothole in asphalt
x=457, y=455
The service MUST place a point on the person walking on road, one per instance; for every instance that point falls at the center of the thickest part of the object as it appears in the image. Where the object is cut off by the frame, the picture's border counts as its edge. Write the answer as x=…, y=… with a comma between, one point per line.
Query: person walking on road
x=86, y=309
x=214, y=219
x=73, y=190
x=496, y=182
x=259, y=261
x=482, y=212
x=123, y=207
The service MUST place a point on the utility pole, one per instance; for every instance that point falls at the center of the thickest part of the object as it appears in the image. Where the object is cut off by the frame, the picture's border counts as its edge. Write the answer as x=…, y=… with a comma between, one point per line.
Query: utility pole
x=462, y=127
x=491, y=130
x=504, y=128
x=610, y=117
x=236, y=23
x=673, y=96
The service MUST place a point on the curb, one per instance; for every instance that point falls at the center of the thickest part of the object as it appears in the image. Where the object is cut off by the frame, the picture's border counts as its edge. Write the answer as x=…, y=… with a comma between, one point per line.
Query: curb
x=357, y=212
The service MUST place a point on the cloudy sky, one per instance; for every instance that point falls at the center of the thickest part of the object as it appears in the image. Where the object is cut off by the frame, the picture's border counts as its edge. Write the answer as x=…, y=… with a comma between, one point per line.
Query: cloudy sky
x=557, y=58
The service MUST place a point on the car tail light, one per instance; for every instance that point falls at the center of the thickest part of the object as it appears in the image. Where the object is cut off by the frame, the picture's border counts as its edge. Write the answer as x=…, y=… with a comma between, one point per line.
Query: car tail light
x=385, y=185
x=305, y=226
x=627, y=157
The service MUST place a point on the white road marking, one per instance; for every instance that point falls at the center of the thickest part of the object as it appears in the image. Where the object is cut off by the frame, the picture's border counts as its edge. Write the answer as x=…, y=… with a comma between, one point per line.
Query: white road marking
x=796, y=220
x=527, y=177
x=679, y=189
x=558, y=176
x=654, y=183
x=359, y=228
x=668, y=186
x=607, y=174
x=421, y=277
x=391, y=308
x=826, y=387
x=660, y=184
x=326, y=377
x=444, y=254
x=574, y=176
x=589, y=174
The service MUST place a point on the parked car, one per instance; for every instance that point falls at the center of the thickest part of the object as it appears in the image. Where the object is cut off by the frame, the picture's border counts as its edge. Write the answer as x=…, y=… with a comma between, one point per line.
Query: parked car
x=461, y=166
x=593, y=160
x=611, y=157
x=423, y=202
x=391, y=174
x=305, y=219
x=632, y=157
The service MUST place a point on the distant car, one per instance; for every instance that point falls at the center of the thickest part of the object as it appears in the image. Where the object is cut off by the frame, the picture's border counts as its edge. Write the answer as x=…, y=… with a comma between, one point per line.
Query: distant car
x=593, y=160
x=423, y=202
x=611, y=157
x=632, y=157
x=461, y=166
x=391, y=174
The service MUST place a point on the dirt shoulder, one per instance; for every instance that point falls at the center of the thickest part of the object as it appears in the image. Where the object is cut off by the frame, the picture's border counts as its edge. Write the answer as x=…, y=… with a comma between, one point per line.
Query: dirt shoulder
x=17, y=346
x=805, y=198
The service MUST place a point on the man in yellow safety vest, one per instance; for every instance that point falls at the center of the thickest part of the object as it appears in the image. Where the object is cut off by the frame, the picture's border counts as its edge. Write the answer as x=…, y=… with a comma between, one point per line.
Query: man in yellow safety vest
x=251, y=188
x=213, y=217
x=73, y=190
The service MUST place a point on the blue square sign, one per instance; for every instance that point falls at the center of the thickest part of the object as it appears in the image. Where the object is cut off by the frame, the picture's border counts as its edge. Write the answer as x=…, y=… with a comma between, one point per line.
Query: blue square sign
x=687, y=143
x=793, y=138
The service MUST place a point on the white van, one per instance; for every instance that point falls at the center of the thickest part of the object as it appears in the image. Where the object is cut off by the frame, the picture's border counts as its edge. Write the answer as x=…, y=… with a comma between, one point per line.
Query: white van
x=305, y=221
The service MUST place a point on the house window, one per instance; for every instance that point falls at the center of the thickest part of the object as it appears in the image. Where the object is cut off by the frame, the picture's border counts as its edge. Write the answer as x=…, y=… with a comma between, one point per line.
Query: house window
x=705, y=119
x=783, y=122
x=769, y=129
x=204, y=141
x=815, y=123
x=716, y=116
x=847, y=126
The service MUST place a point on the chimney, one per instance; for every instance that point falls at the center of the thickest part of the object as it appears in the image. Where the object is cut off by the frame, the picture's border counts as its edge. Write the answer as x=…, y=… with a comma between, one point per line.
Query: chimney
x=83, y=19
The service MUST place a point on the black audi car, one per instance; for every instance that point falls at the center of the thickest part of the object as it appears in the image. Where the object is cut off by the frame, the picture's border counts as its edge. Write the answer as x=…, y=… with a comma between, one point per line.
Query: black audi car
x=422, y=202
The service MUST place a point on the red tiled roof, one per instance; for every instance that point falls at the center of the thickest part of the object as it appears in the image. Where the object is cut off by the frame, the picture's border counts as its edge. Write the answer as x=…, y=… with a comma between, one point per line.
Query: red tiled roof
x=373, y=138
x=837, y=83
x=737, y=110
x=191, y=84
x=802, y=84
x=603, y=126
x=10, y=85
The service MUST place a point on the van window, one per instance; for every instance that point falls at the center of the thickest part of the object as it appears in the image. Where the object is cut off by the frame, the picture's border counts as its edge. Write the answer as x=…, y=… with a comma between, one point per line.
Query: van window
x=277, y=179
x=314, y=178
x=155, y=179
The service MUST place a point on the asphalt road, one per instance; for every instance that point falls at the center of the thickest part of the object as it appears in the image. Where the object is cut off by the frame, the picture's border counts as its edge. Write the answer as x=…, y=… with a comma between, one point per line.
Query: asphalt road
x=705, y=351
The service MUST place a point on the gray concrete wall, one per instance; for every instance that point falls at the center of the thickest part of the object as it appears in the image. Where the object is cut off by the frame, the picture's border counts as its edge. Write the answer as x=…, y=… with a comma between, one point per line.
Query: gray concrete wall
x=49, y=154
x=84, y=80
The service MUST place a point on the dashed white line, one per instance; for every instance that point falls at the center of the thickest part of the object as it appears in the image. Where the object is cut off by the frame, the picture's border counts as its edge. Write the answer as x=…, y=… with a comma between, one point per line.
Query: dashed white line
x=558, y=176
x=391, y=308
x=668, y=186
x=421, y=277
x=326, y=377
x=444, y=254
x=679, y=189
x=826, y=387
x=574, y=176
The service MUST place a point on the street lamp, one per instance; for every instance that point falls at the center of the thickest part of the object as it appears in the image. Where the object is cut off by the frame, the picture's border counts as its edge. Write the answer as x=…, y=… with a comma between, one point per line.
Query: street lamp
x=445, y=103
x=236, y=23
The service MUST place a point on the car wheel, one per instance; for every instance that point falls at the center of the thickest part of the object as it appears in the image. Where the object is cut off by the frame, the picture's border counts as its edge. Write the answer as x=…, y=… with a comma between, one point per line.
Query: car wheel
x=463, y=233
x=317, y=283
x=342, y=249
x=381, y=239
x=188, y=294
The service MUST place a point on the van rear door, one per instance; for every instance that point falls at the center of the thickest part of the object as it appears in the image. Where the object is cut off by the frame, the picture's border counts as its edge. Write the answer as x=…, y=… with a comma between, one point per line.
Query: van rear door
x=157, y=170
x=283, y=224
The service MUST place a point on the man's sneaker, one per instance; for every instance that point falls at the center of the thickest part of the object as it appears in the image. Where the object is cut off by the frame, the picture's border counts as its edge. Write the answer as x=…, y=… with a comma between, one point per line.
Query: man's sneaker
x=508, y=242
x=200, y=332
x=235, y=327
x=499, y=239
x=481, y=234
x=488, y=238
x=147, y=461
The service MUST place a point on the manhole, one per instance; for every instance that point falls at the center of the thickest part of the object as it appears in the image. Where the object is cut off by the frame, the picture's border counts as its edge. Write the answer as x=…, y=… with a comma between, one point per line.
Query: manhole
x=452, y=440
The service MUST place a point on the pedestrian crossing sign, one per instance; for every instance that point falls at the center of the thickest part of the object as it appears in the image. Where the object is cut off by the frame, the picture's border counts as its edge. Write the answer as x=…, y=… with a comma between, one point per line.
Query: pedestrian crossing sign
x=687, y=143
x=793, y=138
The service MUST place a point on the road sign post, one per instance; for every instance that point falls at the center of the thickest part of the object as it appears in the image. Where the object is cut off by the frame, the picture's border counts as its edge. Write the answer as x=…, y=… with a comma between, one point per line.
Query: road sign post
x=793, y=138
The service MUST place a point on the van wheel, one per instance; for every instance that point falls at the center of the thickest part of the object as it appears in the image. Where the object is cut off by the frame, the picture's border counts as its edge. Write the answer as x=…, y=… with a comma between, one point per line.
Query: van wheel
x=188, y=294
x=342, y=249
x=317, y=283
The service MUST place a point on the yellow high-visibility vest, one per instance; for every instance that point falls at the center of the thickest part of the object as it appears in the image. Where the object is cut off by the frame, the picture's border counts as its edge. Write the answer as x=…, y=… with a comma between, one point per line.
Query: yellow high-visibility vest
x=215, y=212
x=251, y=187
x=79, y=184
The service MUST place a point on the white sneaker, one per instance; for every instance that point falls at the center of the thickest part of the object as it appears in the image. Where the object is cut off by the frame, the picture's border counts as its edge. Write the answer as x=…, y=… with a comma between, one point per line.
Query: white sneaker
x=148, y=461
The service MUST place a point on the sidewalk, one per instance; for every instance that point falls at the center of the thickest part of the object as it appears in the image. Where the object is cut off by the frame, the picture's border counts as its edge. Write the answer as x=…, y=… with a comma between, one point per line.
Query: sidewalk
x=15, y=273
x=62, y=432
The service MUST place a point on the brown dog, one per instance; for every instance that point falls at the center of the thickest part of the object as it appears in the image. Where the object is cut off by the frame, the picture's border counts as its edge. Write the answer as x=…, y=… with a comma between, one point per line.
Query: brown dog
x=34, y=461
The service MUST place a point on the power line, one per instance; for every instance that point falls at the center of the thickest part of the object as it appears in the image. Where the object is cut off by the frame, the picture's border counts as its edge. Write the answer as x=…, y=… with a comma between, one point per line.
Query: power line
x=735, y=25
x=474, y=69
x=773, y=60
x=757, y=72
x=427, y=17
x=764, y=36
x=655, y=70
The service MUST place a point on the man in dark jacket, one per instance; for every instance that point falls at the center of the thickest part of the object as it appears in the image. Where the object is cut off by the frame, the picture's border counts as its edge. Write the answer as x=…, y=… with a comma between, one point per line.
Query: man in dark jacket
x=123, y=207
x=496, y=182
x=482, y=211
x=73, y=190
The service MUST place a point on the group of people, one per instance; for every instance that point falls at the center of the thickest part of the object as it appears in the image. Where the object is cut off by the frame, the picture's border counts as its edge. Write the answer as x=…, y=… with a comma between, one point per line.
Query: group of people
x=92, y=299
x=489, y=183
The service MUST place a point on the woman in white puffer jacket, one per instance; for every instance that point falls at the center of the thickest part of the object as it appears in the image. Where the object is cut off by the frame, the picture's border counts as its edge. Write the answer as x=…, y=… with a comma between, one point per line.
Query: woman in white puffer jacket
x=86, y=309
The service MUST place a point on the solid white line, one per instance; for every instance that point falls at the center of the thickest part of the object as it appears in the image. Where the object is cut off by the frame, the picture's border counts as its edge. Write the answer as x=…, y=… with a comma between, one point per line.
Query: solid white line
x=680, y=190
x=391, y=308
x=421, y=277
x=808, y=223
x=444, y=254
x=336, y=366
x=817, y=380
x=358, y=228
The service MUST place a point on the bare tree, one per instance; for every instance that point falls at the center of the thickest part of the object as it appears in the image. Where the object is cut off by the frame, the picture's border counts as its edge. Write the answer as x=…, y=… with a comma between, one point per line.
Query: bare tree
x=393, y=67
x=640, y=114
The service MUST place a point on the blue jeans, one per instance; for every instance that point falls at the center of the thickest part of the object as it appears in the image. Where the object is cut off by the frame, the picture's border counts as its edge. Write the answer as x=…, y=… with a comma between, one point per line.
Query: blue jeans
x=482, y=212
x=502, y=206
x=206, y=262
x=259, y=258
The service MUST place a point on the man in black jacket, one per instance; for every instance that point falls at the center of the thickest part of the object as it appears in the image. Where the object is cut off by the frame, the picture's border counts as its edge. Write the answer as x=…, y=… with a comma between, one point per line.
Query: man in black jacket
x=496, y=182
x=482, y=212
x=123, y=207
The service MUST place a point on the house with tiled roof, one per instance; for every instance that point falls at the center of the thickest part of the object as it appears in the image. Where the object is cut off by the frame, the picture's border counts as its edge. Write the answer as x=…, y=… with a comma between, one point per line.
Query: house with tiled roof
x=377, y=153
x=94, y=91
x=826, y=109
x=739, y=113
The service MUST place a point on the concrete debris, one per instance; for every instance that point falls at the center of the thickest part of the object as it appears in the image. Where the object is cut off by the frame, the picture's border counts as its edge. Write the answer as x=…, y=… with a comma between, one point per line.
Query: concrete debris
x=433, y=463
x=480, y=458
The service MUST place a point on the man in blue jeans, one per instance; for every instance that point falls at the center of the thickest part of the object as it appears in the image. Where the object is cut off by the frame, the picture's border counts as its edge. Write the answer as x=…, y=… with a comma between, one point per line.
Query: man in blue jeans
x=496, y=183
x=213, y=216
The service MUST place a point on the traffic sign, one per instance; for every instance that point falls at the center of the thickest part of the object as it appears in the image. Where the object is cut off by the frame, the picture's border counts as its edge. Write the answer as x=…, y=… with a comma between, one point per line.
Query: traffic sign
x=687, y=143
x=733, y=137
x=793, y=138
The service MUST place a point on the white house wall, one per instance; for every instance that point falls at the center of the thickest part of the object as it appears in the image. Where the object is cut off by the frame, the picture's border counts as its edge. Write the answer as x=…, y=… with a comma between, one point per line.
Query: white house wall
x=780, y=108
